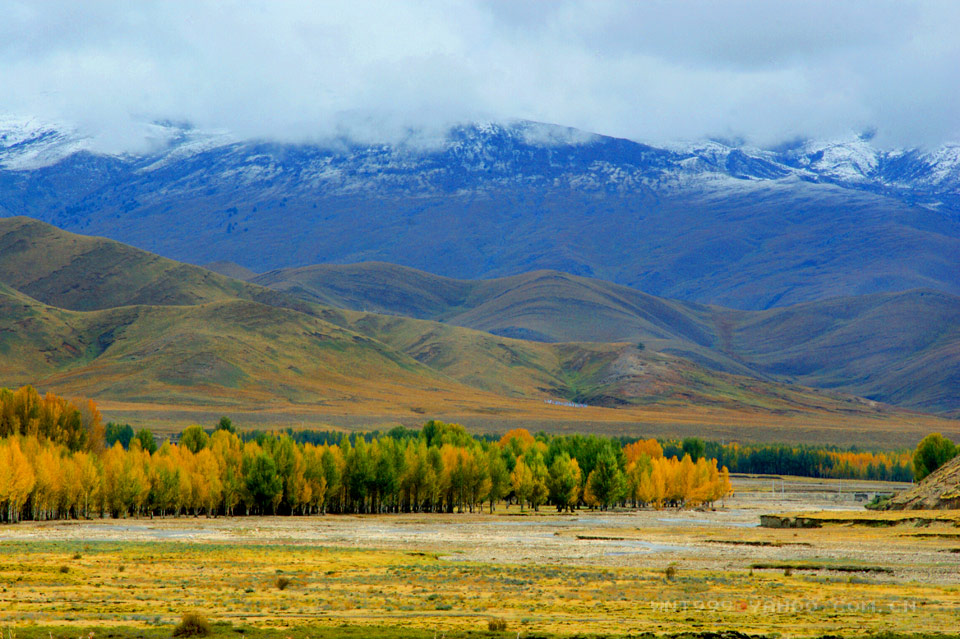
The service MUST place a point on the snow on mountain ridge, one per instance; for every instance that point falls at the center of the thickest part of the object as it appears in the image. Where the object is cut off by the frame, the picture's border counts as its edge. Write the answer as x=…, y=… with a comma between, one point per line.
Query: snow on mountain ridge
x=28, y=143
x=488, y=155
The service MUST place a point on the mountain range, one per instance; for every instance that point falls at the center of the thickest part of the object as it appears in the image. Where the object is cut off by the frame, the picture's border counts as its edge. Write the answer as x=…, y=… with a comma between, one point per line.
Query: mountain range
x=712, y=222
x=483, y=272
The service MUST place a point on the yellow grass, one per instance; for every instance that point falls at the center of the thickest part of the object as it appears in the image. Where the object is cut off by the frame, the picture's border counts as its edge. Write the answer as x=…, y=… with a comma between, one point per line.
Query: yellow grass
x=230, y=577
x=882, y=517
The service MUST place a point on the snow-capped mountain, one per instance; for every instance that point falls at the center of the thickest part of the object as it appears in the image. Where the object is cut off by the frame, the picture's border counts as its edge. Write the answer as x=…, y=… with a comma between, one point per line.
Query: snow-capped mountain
x=706, y=221
x=28, y=144
x=494, y=154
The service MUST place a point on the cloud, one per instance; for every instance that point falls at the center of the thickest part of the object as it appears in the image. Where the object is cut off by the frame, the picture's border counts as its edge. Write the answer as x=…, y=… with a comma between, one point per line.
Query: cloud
x=655, y=71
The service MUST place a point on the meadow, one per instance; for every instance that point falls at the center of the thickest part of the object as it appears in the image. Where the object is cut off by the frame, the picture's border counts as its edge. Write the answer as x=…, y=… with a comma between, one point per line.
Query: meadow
x=589, y=573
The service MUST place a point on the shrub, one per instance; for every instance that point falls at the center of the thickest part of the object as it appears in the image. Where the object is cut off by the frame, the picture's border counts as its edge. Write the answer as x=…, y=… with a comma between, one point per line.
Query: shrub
x=147, y=441
x=194, y=438
x=497, y=624
x=693, y=446
x=788, y=572
x=670, y=573
x=64, y=569
x=932, y=452
x=282, y=583
x=192, y=624
x=77, y=555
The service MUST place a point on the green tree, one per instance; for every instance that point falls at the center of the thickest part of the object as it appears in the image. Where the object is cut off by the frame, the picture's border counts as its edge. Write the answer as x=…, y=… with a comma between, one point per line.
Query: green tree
x=385, y=474
x=932, y=452
x=438, y=433
x=694, y=447
x=332, y=479
x=564, y=482
x=606, y=481
x=499, y=476
x=358, y=474
x=147, y=442
x=263, y=483
x=522, y=481
x=122, y=433
x=477, y=478
x=541, y=477
x=285, y=455
x=194, y=439
x=226, y=424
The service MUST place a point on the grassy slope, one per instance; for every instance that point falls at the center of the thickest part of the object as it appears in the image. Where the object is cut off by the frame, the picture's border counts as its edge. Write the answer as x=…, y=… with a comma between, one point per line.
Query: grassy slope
x=902, y=348
x=181, y=337
x=82, y=273
x=243, y=353
x=231, y=269
x=597, y=373
x=232, y=352
x=545, y=306
x=593, y=310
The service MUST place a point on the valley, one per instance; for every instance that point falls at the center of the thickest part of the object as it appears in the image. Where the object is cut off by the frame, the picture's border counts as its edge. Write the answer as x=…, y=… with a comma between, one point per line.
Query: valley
x=901, y=348
x=479, y=320
x=153, y=340
x=591, y=573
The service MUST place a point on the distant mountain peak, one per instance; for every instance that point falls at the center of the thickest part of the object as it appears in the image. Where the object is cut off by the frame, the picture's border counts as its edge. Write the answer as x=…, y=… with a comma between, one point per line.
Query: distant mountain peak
x=28, y=143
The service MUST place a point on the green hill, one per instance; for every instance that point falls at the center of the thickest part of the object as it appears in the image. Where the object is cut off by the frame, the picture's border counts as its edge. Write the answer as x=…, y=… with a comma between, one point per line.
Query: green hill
x=243, y=353
x=608, y=374
x=225, y=352
x=87, y=316
x=531, y=304
x=83, y=273
x=900, y=348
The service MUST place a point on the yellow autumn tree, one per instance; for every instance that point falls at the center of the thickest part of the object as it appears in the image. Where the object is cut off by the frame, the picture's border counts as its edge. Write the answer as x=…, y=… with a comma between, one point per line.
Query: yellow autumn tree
x=17, y=478
x=522, y=481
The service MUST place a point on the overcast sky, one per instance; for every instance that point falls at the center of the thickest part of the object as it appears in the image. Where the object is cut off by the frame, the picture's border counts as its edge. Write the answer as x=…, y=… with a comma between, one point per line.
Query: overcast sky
x=654, y=71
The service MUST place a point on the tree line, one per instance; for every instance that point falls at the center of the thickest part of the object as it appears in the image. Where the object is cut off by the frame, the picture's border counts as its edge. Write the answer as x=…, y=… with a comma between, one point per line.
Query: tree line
x=829, y=462
x=54, y=464
x=58, y=460
x=803, y=461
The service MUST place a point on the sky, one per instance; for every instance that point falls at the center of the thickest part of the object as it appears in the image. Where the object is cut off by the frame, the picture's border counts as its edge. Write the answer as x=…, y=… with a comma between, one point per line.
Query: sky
x=762, y=72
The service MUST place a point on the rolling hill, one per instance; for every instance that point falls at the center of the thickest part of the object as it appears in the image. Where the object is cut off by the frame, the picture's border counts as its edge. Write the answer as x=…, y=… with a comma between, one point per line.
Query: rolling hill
x=83, y=273
x=177, y=339
x=900, y=348
x=224, y=353
x=545, y=306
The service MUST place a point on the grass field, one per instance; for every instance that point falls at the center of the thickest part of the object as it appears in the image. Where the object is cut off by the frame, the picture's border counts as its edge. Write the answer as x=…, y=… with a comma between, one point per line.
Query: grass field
x=603, y=574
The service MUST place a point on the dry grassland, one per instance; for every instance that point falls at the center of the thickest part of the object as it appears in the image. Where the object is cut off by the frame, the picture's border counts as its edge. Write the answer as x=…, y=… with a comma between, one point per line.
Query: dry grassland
x=544, y=574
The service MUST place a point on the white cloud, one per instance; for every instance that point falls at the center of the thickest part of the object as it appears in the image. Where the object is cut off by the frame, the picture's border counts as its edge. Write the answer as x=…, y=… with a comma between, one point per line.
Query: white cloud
x=656, y=71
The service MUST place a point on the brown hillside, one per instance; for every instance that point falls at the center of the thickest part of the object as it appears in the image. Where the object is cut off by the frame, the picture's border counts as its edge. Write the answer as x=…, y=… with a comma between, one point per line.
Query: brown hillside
x=938, y=491
x=154, y=340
